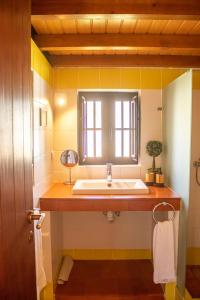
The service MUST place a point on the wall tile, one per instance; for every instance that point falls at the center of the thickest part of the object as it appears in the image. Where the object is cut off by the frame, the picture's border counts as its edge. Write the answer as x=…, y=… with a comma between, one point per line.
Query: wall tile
x=65, y=139
x=129, y=231
x=130, y=78
x=88, y=78
x=110, y=78
x=65, y=78
x=131, y=172
x=194, y=205
x=151, y=79
x=66, y=116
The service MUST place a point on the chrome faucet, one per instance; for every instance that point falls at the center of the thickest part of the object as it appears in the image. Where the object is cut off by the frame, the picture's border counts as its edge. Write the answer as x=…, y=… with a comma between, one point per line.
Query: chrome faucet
x=109, y=174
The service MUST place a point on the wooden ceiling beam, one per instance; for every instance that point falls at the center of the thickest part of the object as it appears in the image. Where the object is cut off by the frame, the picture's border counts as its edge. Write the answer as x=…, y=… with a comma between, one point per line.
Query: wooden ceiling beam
x=52, y=42
x=135, y=7
x=124, y=61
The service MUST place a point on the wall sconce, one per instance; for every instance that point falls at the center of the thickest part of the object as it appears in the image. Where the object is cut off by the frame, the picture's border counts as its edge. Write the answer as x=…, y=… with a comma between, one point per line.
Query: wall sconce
x=60, y=99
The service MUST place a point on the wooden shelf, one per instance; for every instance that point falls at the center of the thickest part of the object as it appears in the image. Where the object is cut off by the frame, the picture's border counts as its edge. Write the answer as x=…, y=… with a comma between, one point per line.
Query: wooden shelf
x=60, y=198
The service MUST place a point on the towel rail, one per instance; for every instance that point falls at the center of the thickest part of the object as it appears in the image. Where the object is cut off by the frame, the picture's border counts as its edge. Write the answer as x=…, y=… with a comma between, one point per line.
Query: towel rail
x=164, y=203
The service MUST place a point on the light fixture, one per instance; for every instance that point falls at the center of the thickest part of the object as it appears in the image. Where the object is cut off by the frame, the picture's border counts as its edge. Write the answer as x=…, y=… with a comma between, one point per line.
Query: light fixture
x=60, y=99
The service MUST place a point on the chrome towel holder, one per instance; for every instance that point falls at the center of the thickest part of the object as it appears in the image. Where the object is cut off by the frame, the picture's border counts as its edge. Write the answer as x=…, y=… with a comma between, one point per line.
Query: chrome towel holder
x=164, y=203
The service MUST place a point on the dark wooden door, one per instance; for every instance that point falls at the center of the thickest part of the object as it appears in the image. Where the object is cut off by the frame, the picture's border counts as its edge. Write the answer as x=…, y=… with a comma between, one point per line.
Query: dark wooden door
x=17, y=257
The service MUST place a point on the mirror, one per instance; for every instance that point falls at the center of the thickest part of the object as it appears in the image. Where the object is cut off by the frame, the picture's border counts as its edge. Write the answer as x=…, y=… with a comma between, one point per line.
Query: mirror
x=69, y=159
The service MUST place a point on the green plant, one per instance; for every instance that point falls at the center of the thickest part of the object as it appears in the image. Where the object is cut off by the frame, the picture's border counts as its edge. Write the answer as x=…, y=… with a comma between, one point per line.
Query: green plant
x=154, y=148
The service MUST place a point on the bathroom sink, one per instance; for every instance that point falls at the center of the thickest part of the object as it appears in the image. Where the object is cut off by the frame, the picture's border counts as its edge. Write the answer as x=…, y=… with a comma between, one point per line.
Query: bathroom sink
x=118, y=187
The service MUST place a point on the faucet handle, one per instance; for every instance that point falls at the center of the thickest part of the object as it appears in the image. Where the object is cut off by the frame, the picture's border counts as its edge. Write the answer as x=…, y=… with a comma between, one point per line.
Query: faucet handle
x=109, y=174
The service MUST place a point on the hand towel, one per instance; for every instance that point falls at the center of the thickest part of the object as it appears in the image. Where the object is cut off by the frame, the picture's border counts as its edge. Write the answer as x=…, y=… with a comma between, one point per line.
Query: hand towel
x=40, y=273
x=164, y=253
x=65, y=270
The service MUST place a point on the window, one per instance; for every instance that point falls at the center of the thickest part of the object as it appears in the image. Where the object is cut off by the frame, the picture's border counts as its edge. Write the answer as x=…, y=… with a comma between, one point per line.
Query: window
x=108, y=127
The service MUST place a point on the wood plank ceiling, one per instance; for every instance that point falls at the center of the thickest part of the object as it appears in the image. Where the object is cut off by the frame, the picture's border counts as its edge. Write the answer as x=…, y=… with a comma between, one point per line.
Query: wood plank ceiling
x=151, y=39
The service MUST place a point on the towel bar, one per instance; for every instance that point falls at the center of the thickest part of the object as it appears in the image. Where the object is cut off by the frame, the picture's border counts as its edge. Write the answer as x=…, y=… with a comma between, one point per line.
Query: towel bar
x=164, y=203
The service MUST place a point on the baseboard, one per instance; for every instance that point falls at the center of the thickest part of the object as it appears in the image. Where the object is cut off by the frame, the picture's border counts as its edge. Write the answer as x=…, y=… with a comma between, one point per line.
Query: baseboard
x=172, y=292
x=108, y=254
x=48, y=292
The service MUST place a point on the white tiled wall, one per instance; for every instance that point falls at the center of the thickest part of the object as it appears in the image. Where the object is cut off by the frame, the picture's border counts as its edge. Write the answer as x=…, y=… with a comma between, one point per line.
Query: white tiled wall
x=131, y=230
x=194, y=209
x=91, y=230
x=43, y=137
x=43, y=179
x=65, y=137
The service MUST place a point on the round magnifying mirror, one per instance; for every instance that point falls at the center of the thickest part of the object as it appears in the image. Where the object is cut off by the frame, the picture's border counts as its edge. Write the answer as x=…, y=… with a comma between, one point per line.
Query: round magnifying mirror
x=69, y=159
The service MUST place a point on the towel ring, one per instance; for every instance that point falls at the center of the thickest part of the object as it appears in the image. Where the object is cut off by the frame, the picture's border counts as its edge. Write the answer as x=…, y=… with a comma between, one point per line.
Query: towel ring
x=164, y=203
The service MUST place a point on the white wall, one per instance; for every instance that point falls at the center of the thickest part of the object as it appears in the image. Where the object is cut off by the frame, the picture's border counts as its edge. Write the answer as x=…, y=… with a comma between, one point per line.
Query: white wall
x=91, y=230
x=43, y=137
x=65, y=136
x=194, y=207
x=43, y=177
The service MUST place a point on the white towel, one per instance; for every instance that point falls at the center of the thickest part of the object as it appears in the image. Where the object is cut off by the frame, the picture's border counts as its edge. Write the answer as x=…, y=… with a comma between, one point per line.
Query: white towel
x=40, y=273
x=164, y=253
x=65, y=270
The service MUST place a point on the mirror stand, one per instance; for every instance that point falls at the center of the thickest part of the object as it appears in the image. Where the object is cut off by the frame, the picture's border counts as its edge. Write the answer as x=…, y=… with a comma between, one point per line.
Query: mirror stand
x=69, y=159
x=69, y=181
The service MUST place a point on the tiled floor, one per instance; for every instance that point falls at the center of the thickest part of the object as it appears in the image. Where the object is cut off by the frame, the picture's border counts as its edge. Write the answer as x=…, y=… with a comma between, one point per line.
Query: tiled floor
x=193, y=281
x=110, y=280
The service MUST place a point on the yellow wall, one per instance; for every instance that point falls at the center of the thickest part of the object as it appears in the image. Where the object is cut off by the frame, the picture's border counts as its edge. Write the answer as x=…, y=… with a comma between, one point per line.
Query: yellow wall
x=40, y=64
x=107, y=78
x=111, y=78
x=196, y=80
x=108, y=254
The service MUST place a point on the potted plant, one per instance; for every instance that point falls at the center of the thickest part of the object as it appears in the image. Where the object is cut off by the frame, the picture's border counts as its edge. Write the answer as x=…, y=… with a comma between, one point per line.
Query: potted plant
x=154, y=149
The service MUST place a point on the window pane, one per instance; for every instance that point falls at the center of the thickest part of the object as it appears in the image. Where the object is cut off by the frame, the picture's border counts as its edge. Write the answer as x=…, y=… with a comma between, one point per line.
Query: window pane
x=118, y=114
x=133, y=150
x=84, y=113
x=90, y=143
x=118, y=143
x=133, y=114
x=90, y=114
x=98, y=143
x=108, y=125
x=126, y=149
x=98, y=114
x=126, y=114
x=84, y=143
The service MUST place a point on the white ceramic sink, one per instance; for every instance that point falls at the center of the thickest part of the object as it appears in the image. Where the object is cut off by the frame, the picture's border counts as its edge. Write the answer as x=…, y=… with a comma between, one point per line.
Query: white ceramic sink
x=118, y=187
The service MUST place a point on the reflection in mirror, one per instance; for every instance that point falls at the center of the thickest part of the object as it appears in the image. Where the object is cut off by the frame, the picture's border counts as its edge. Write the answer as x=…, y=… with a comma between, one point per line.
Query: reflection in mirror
x=69, y=159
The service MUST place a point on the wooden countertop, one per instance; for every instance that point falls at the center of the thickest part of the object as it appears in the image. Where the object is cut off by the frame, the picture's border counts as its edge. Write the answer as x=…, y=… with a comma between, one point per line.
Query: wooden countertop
x=60, y=198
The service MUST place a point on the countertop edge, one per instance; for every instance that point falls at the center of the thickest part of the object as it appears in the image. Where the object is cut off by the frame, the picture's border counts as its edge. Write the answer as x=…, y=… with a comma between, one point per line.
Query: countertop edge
x=65, y=201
